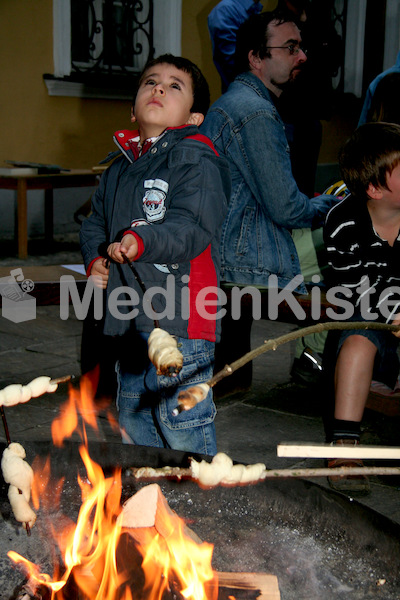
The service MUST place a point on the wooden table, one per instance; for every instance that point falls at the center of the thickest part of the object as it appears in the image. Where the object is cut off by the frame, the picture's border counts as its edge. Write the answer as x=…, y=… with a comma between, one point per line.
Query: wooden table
x=46, y=280
x=48, y=183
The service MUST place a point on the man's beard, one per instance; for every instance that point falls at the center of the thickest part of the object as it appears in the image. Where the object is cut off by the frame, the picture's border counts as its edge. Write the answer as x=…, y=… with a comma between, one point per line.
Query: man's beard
x=294, y=74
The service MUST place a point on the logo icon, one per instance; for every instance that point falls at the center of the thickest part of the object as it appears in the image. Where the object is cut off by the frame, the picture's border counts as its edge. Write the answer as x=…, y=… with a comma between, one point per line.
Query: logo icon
x=17, y=305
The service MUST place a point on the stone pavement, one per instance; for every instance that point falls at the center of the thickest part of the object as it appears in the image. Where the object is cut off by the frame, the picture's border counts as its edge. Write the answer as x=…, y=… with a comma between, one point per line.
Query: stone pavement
x=249, y=425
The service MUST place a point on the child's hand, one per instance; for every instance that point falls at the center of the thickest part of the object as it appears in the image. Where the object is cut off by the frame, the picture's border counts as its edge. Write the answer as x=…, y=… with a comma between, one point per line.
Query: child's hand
x=128, y=247
x=99, y=272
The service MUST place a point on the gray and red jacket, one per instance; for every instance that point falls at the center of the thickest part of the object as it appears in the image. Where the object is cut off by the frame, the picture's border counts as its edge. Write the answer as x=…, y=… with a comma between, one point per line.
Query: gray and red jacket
x=173, y=198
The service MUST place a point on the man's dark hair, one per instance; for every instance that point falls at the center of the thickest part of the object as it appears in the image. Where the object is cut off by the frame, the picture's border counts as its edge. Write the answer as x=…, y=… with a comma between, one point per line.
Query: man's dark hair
x=368, y=156
x=201, y=92
x=253, y=35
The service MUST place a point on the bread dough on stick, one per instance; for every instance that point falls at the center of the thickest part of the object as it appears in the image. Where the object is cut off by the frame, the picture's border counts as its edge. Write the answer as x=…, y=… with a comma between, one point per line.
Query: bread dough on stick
x=19, y=475
x=221, y=470
x=163, y=352
x=16, y=393
x=20, y=507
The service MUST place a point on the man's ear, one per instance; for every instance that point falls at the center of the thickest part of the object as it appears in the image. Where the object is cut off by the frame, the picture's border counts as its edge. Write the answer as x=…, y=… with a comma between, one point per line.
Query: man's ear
x=254, y=61
x=195, y=119
x=374, y=192
x=133, y=118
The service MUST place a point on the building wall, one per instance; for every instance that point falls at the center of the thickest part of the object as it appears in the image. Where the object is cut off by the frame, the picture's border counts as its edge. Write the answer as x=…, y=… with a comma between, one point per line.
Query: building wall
x=73, y=132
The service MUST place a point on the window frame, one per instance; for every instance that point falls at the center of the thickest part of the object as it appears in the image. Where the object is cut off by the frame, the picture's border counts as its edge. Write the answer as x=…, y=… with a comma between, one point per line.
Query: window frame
x=167, y=27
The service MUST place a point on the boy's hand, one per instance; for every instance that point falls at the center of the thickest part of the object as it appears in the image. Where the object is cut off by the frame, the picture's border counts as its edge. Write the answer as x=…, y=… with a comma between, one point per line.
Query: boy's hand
x=396, y=321
x=99, y=272
x=128, y=246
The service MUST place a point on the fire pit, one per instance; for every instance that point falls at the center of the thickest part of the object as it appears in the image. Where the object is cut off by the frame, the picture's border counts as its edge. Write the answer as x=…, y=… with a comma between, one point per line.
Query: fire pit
x=318, y=543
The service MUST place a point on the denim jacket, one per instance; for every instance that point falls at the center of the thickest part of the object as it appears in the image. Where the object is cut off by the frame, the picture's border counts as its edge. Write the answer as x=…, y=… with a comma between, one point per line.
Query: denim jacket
x=265, y=203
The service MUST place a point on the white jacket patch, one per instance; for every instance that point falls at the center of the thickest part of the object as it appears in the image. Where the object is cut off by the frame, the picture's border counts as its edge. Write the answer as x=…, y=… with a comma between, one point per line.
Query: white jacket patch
x=154, y=199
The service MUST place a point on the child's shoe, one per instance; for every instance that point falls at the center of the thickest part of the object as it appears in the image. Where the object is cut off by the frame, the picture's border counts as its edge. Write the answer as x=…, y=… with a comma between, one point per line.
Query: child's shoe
x=354, y=485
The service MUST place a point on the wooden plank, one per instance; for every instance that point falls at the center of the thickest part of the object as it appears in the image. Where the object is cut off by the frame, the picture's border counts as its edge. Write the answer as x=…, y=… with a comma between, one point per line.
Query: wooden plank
x=46, y=281
x=266, y=585
x=296, y=450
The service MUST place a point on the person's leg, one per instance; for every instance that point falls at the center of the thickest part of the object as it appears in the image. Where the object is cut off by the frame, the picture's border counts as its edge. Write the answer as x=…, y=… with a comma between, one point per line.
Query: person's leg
x=307, y=366
x=235, y=342
x=135, y=400
x=353, y=375
x=136, y=405
x=192, y=430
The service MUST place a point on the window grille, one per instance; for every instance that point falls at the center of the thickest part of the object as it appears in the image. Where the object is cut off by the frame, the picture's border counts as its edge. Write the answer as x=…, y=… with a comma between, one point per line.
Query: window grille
x=111, y=37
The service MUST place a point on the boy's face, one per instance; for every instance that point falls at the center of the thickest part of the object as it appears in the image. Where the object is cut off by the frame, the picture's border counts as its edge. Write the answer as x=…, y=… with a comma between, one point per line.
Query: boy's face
x=388, y=197
x=164, y=99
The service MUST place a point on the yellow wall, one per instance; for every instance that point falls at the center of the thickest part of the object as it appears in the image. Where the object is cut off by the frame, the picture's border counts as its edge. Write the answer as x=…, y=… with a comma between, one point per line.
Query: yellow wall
x=73, y=132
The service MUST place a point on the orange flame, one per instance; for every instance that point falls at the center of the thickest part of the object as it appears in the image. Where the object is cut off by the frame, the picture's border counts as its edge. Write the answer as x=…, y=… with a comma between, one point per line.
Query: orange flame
x=90, y=548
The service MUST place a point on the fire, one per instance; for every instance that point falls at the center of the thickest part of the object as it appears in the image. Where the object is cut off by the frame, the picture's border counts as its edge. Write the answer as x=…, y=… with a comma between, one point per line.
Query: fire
x=91, y=548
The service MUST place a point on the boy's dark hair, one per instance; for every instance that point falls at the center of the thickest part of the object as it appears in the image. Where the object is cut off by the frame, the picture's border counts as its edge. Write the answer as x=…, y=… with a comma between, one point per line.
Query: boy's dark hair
x=253, y=35
x=201, y=92
x=368, y=156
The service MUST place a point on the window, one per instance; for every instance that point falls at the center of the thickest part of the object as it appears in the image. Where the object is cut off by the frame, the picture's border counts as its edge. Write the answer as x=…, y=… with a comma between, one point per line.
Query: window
x=99, y=45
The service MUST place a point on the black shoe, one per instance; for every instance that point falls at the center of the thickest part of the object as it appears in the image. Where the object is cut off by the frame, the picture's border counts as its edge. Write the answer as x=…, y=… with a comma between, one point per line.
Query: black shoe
x=308, y=368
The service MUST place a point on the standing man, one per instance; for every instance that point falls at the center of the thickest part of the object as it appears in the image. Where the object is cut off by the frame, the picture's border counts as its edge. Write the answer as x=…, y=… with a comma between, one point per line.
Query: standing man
x=223, y=22
x=266, y=203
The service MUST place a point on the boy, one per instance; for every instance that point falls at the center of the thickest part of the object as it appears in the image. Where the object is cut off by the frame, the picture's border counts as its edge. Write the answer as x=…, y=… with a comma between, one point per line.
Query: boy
x=363, y=245
x=161, y=205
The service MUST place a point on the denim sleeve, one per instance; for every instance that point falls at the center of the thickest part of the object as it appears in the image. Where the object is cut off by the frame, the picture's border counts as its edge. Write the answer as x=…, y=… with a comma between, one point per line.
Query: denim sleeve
x=261, y=153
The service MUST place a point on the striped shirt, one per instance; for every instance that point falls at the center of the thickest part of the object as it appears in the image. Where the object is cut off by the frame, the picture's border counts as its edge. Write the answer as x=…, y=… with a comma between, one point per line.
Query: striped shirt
x=361, y=261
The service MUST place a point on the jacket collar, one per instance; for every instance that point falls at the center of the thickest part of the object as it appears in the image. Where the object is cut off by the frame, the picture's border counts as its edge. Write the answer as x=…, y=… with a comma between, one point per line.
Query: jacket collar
x=128, y=141
x=256, y=84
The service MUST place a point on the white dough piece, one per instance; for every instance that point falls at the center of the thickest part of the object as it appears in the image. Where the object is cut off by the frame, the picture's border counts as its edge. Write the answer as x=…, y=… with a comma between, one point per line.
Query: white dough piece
x=16, y=393
x=15, y=470
x=221, y=470
x=19, y=474
x=163, y=352
x=20, y=507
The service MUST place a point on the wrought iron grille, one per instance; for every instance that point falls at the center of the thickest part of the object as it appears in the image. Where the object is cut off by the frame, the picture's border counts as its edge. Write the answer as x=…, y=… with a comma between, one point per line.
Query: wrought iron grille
x=110, y=37
x=339, y=15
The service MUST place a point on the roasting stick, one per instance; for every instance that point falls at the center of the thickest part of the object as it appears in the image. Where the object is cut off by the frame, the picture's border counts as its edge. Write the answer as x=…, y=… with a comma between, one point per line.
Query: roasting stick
x=7, y=431
x=186, y=473
x=188, y=398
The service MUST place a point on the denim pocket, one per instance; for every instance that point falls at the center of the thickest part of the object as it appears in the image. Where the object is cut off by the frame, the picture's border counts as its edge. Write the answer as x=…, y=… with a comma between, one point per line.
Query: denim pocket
x=245, y=231
x=197, y=368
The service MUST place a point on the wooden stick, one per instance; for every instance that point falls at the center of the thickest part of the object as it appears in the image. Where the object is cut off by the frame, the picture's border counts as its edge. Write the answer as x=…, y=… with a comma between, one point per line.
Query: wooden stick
x=5, y=425
x=62, y=379
x=294, y=449
x=179, y=473
x=294, y=335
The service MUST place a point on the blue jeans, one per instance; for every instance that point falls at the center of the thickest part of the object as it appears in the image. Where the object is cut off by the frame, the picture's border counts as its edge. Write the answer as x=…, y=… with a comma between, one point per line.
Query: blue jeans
x=145, y=400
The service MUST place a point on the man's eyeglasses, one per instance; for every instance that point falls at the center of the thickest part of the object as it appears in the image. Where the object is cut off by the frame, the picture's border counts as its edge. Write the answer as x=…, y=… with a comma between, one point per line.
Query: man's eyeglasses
x=294, y=49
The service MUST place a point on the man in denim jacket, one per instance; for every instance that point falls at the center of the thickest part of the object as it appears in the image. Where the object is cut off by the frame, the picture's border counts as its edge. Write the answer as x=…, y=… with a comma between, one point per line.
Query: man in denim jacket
x=244, y=125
